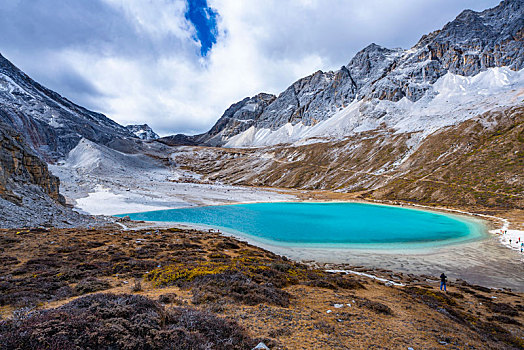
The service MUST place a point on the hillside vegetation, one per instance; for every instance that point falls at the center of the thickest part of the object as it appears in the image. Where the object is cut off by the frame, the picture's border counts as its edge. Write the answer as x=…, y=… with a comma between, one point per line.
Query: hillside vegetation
x=475, y=164
x=165, y=288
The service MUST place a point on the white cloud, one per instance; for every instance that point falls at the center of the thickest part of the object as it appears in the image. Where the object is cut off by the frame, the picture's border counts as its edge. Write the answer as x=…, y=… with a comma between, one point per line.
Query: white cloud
x=158, y=19
x=156, y=76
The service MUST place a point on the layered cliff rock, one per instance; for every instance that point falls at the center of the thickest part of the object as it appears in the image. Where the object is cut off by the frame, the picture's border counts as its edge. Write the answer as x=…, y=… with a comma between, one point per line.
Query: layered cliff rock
x=29, y=193
x=21, y=167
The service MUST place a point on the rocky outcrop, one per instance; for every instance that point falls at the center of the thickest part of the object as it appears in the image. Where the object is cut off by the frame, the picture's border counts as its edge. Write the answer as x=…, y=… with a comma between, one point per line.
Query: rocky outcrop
x=143, y=132
x=237, y=118
x=51, y=124
x=20, y=167
x=29, y=193
x=468, y=45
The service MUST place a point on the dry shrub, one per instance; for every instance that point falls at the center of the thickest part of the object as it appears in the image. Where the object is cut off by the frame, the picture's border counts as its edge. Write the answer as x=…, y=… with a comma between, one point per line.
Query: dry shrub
x=375, y=306
x=503, y=319
x=168, y=298
x=90, y=285
x=237, y=287
x=137, y=286
x=227, y=245
x=32, y=290
x=502, y=308
x=108, y=321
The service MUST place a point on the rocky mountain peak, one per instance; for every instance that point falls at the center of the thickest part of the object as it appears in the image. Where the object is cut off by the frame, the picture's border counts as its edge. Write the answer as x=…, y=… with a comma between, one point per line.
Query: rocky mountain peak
x=51, y=124
x=472, y=43
x=237, y=118
x=143, y=132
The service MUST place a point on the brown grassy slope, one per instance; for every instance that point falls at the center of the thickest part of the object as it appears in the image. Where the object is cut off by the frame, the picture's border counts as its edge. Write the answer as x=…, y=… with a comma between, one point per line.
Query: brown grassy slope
x=478, y=163
x=283, y=303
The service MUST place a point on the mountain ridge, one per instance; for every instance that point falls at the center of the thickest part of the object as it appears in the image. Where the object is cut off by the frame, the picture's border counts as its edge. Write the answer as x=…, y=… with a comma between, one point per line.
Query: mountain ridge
x=51, y=124
x=472, y=43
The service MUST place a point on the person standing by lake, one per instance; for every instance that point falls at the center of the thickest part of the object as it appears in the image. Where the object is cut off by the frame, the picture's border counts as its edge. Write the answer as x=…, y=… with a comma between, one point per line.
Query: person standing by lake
x=443, y=279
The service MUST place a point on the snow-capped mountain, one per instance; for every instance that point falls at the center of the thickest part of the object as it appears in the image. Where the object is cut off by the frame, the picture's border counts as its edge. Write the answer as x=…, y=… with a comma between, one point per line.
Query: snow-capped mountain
x=472, y=64
x=51, y=124
x=143, y=132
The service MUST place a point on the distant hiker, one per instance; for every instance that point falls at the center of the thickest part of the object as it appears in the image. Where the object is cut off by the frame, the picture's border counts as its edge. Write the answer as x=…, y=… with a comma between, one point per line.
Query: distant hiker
x=443, y=279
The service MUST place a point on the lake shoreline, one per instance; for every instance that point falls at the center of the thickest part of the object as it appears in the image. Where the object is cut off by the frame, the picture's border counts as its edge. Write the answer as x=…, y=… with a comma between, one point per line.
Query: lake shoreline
x=485, y=262
x=344, y=223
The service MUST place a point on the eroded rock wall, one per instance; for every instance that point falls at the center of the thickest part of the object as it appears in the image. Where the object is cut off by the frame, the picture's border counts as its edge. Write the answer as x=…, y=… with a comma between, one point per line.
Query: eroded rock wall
x=21, y=167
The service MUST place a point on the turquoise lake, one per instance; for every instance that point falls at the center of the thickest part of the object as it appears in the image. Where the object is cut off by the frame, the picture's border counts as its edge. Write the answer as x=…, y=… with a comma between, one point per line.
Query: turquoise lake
x=327, y=224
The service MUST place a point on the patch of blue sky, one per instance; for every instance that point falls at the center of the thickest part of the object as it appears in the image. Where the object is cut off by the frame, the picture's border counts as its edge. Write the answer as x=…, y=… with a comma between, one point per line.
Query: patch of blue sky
x=204, y=18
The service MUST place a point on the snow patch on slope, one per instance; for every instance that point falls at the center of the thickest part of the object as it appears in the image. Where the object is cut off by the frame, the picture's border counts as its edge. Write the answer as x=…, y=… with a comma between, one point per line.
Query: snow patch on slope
x=100, y=180
x=104, y=202
x=452, y=99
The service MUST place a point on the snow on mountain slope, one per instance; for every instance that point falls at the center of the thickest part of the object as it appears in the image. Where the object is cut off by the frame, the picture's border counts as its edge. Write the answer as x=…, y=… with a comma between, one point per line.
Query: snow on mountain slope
x=379, y=85
x=450, y=100
x=100, y=180
x=143, y=132
x=51, y=124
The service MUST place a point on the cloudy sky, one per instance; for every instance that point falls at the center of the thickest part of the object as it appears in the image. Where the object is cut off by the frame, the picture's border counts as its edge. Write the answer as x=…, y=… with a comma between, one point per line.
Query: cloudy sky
x=178, y=64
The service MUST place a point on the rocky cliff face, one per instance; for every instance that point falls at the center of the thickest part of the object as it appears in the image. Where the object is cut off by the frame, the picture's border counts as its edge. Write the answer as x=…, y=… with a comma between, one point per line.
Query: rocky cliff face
x=236, y=119
x=466, y=46
x=29, y=193
x=143, y=132
x=21, y=167
x=51, y=124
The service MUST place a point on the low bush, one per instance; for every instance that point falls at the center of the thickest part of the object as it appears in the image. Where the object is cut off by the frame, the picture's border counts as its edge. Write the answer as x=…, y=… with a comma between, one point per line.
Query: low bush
x=107, y=321
x=32, y=290
x=247, y=278
x=503, y=319
x=90, y=285
x=168, y=298
x=137, y=286
x=226, y=245
x=377, y=307
x=237, y=287
x=502, y=308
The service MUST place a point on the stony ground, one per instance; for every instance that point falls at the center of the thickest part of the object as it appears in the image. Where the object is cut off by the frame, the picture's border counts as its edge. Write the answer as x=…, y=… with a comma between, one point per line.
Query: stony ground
x=161, y=287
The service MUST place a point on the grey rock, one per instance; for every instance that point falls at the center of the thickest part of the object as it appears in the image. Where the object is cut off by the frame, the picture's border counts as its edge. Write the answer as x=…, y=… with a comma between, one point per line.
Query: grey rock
x=29, y=193
x=51, y=124
x=143, y=132
x=261, y=346
x=237, y=118
x=21, y=167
